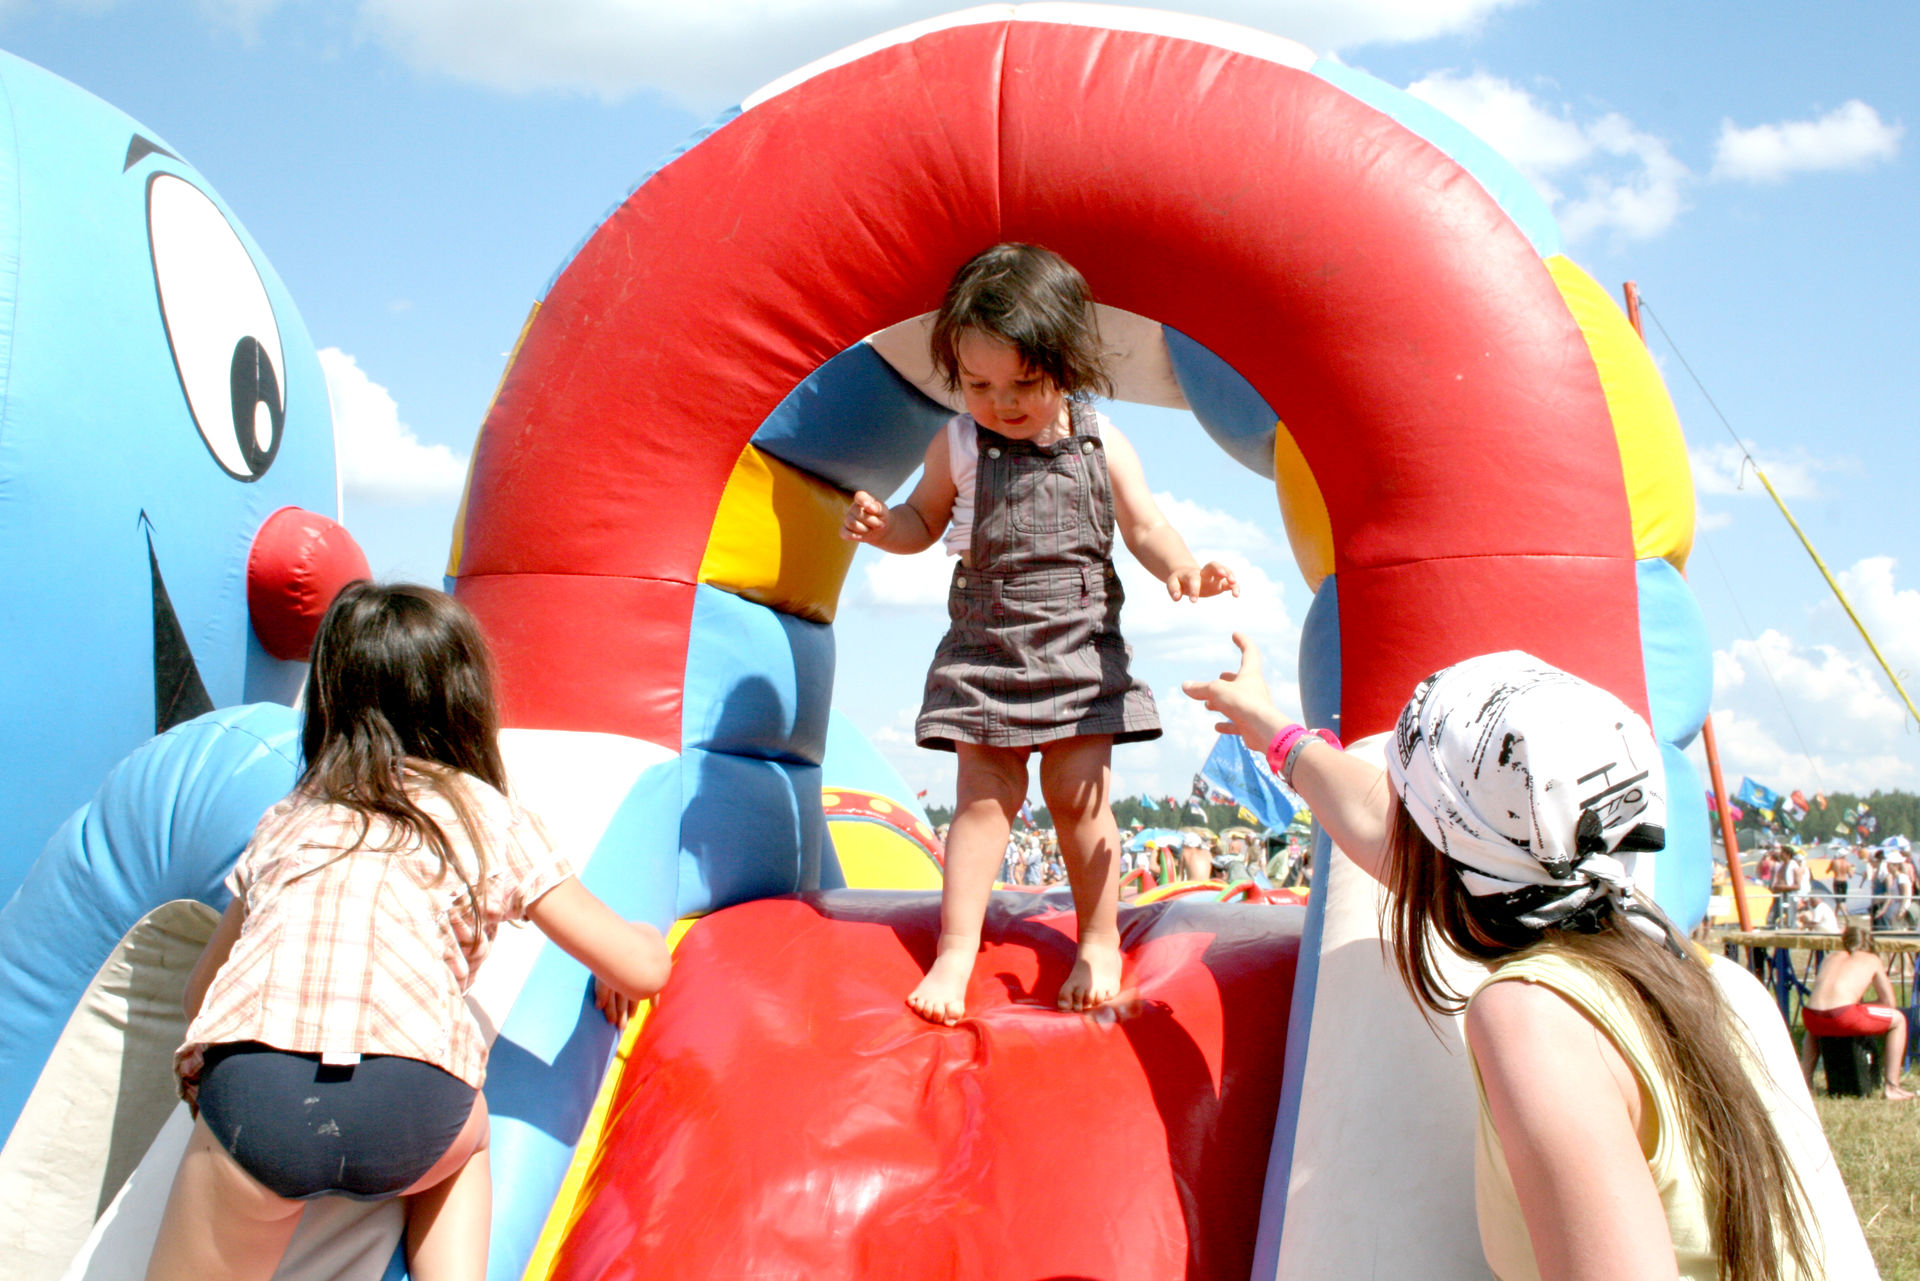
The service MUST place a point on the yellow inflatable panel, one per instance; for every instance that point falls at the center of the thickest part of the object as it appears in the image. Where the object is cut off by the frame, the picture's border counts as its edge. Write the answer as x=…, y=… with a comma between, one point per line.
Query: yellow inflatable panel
x=1653, y=453
x=1303, y=509
x=776, y=538
x=566, y=1202
x=874, y=856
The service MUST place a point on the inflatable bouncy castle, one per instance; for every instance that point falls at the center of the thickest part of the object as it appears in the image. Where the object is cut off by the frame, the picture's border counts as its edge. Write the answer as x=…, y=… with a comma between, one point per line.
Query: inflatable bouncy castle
x=167, y=543
x=1470, y=449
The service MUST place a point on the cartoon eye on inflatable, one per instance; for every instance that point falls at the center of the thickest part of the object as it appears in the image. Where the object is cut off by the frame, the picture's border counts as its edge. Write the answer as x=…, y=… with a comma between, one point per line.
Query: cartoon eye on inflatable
x=226, y=345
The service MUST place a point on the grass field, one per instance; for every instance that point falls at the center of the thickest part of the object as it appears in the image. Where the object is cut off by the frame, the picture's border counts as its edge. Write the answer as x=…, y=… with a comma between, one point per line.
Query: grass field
x=1877, y=1144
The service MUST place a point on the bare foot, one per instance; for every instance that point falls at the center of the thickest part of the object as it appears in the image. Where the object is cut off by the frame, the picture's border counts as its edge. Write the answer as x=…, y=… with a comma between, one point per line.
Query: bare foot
x=1095, y=977
x=942, y=995
x=1897, y=1094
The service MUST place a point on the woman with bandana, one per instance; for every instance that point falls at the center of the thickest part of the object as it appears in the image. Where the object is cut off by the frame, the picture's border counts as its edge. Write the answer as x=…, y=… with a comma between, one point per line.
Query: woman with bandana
x=1627, y=1127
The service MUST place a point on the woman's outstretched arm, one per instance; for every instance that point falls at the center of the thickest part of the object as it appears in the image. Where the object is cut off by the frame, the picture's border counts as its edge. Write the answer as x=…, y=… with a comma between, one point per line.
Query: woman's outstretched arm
x=1349, y=796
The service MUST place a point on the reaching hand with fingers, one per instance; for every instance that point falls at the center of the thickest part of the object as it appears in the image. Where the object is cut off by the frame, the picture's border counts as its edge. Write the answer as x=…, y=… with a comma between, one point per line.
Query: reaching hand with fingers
x=1216, y=578
x=867, y=519
x=1243, y=698
x=1192, y=582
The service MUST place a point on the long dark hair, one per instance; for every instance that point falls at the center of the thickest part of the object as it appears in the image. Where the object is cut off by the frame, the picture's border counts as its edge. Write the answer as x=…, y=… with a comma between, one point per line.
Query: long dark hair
x=1756, y=1205
x=1033, y=300
x=401, y=682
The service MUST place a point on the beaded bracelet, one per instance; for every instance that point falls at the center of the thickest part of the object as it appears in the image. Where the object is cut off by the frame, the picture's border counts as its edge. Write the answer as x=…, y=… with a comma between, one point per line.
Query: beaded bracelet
x=1287, y=744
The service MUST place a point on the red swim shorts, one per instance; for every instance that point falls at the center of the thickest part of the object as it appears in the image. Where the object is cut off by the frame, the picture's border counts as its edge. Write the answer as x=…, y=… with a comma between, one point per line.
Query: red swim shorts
x=1849, y=1020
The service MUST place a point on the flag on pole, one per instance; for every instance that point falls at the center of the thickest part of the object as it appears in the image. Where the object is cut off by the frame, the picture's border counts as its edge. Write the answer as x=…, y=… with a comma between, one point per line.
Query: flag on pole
x=1758, y=795
x=1233, y=769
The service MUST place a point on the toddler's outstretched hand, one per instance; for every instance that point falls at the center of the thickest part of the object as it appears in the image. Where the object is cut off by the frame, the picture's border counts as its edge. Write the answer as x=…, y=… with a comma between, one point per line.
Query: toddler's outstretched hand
x=1209, y=579
x=866, y=519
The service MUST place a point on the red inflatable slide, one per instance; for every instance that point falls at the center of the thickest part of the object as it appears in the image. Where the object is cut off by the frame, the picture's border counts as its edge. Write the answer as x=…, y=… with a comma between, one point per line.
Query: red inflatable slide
x=784, y=1115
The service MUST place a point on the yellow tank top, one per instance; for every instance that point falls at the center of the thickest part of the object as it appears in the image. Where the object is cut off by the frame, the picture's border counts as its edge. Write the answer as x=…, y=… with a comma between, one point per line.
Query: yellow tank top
x=1670, y=1156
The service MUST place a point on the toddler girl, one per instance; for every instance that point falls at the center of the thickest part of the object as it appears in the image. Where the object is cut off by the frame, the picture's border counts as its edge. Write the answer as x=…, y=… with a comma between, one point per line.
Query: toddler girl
x=1028, y=486
x=330, y=1048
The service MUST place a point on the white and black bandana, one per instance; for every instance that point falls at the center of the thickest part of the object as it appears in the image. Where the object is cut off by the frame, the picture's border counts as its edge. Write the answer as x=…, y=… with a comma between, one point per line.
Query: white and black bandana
x=1541, y=787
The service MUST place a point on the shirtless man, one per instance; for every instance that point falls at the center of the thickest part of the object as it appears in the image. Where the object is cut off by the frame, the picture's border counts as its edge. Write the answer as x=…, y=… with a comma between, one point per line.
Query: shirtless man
x=1833, y=1007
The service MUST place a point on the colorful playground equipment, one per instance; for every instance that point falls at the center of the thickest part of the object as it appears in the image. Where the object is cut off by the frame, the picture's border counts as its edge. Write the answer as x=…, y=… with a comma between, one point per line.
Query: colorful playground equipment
x=1356, y=297
x=167, y=489
x=162, y=402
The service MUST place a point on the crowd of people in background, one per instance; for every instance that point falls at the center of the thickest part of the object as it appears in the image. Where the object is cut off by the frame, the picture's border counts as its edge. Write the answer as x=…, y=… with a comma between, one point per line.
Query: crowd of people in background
x=1877, y=882
x=1033, y=857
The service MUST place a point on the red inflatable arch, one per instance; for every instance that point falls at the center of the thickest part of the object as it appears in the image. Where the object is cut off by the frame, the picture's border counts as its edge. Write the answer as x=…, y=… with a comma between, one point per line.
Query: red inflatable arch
x=1407, y=334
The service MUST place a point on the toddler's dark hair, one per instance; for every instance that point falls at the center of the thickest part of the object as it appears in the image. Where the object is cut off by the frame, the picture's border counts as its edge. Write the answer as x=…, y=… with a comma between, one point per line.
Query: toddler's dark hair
x=1033, y=300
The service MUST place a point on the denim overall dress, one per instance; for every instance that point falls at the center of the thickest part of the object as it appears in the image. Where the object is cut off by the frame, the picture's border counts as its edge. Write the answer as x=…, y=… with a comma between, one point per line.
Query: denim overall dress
x=1034, y=654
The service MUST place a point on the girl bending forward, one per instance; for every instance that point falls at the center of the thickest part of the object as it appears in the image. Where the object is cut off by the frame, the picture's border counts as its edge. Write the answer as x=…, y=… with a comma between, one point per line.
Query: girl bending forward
x=1627, y=1125
x=1028, y=486
x=330, y=1048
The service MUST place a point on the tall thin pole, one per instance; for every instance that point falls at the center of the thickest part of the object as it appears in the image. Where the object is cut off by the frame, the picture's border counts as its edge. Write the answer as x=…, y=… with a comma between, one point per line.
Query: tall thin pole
x=1735, y=875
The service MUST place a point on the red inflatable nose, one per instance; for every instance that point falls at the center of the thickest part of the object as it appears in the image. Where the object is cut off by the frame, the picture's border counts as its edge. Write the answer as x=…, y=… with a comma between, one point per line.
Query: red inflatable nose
x=299, y=562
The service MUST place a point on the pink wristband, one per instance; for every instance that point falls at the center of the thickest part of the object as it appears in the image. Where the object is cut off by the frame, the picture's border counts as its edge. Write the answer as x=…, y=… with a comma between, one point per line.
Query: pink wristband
x=1279, y=751
x=1282, y=744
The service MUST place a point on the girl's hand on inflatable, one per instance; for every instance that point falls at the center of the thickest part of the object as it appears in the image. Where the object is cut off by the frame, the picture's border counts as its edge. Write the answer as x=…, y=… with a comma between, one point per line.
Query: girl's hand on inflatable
x=1242, y=697
x=866, y=519
x=617, y=1007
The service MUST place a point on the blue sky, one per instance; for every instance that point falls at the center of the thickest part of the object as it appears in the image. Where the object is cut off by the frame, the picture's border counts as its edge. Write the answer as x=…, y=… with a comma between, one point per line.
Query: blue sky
x=416, y=169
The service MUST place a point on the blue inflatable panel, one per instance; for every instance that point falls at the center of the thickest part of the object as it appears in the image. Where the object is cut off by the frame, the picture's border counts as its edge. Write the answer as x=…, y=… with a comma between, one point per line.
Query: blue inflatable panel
x=1233, y=413
x=1507, y=185
x=1320, y=704
x=168, y=823
x=758, y=683
x=1683, y=876
x=1676, y=651
x=854, y=423
x=116, y=509
x=635, y=868
x=748, y=829
x=552, y=1052
x=693, y=140
x=538, y=1098
x=1320, y=658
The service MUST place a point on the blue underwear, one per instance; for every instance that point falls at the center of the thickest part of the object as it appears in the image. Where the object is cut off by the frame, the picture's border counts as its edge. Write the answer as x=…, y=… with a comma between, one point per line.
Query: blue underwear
x=305, y=1129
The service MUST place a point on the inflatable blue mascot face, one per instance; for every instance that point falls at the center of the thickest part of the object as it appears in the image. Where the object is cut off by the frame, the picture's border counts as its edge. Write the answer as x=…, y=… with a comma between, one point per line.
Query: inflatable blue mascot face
x=159, y=399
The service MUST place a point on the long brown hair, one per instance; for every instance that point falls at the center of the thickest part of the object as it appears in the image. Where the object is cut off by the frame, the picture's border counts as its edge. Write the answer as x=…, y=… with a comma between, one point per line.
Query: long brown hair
x=1754, y=1199
x=401, y=682
x=1036, y=302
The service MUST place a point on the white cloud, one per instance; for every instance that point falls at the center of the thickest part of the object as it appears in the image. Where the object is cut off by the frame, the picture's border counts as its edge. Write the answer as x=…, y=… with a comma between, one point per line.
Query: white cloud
x=714, y=52
x=1824, y=717
x=1540, y=143
x=1640, y=194
x=1603, y=175
x=1851, y=136
x=1723, y=470
x=890, y=583
x=243, y=16
x=1708, y=521
x=380, y=459
x=1891, y=613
